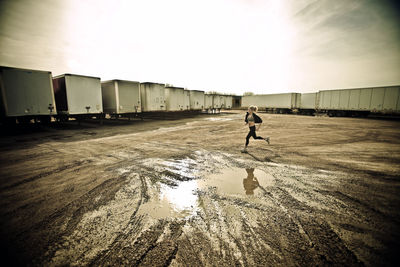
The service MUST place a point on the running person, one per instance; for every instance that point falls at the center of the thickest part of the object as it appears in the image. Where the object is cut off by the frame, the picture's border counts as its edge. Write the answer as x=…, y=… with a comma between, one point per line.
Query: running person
x=251, y=119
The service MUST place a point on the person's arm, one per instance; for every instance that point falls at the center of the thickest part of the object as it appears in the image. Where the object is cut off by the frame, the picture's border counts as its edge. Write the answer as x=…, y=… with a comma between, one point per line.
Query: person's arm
x=259, y=121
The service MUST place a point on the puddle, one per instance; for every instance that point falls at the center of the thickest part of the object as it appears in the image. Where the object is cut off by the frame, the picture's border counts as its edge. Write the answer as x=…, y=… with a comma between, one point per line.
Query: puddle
x=237, y=181
x=177, y=202
x=223, y=203
x=181, y=201
x=181, y=167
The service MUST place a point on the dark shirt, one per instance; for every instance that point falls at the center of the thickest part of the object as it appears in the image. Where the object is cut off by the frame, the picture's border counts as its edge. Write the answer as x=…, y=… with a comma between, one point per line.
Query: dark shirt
x=256, y=118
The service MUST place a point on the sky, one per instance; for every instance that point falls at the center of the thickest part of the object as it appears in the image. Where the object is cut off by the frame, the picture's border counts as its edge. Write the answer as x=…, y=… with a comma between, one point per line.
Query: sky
x=228, y=46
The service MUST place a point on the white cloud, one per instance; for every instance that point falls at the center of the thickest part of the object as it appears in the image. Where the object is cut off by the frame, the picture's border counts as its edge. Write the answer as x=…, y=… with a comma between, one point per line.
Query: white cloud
x=223, y=45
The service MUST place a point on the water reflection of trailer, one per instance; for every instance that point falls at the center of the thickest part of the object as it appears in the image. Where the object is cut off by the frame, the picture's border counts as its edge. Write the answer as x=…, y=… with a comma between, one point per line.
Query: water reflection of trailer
x=78, y=96
x=152, y=97
x=121, y=98
x=174, y=98
x=196, y=100
x=25, y=95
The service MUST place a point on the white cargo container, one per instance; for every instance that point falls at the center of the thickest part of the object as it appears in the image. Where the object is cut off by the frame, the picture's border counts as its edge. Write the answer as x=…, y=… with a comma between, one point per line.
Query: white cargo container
x=174, y=98
x=218, y=101
x=121, y=97
x=186, y=99
x=196, y=100
x=228, y=101
x=223, y=100
x=308, y=101
x=77, y=94
x=208, y=101
x=26, y=93
x=378, y=99
x=152, y=97
x=273, y=101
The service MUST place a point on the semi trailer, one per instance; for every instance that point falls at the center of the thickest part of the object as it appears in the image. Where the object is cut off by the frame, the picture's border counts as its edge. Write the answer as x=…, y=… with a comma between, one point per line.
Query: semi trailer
x=25, y=95
x=174, y=98
x=152, y=97
x=208, y=101
x=359, y=101
x=78, y=96
x=121, y=97
x=186, y=100
x=279, y=103
x=196, y=100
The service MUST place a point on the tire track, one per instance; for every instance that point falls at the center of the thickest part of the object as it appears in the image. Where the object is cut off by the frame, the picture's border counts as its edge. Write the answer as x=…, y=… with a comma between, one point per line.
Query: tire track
x=63, y=222
x=45, y=174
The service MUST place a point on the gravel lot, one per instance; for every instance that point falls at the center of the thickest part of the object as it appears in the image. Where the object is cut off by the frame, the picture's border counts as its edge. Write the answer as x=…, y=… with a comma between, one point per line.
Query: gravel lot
x=326, y=191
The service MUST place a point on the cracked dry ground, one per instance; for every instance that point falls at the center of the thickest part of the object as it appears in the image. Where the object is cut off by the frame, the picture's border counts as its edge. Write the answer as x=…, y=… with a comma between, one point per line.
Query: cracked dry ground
x=180, y=193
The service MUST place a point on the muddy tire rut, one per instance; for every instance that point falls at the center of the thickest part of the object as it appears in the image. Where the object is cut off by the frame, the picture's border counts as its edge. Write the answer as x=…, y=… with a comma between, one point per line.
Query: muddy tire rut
x=183, y=194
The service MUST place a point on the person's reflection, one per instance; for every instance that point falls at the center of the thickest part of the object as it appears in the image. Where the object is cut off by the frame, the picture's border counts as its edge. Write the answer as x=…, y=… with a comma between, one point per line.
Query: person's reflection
x=250, y=183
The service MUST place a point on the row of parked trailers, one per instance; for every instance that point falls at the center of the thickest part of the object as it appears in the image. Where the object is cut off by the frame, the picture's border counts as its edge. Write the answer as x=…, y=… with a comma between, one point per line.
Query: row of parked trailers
x=340, y=102
x=27, y=94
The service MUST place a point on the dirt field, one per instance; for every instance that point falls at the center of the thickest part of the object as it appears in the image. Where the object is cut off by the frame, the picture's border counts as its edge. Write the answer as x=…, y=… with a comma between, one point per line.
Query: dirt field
x=179, y=193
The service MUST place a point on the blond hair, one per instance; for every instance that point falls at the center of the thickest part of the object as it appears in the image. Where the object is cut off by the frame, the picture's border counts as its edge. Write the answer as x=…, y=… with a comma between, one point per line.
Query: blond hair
x=253, y=108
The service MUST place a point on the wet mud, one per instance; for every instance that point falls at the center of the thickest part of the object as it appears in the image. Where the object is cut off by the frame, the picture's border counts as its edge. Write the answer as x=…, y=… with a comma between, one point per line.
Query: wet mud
x=184, y=195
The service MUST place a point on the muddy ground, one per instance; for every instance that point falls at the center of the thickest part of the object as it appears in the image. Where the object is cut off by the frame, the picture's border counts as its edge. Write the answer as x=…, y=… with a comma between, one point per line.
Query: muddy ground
x=179, y=193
